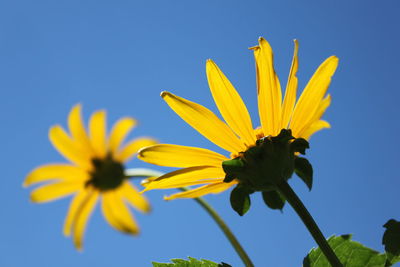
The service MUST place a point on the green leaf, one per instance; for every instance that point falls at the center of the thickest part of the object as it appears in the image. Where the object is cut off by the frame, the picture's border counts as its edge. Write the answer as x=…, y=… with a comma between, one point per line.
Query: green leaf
x=350, y=254
x=192, y=262
x=304, y=170
x=391, y=241
x=240, y=200
x=274, y=199
x=391, y=259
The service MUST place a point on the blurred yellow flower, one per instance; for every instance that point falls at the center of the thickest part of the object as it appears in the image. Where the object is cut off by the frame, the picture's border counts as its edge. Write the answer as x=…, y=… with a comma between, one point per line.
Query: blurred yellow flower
x=95, y=173
x=237, y=134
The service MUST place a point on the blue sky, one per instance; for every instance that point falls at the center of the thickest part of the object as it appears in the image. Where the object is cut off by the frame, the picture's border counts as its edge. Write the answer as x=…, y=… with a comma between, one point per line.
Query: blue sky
x=119, y=55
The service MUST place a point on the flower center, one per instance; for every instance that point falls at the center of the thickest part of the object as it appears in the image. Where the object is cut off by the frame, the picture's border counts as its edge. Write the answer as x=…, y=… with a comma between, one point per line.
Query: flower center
x=107, y=174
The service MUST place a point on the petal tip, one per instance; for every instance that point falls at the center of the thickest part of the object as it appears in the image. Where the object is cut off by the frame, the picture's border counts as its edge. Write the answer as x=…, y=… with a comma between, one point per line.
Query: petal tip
x=27, y=181
x=170, y=197
x=254, y=47
x=66, y=233
x=263, y=42
x=132, y=121
x=136, y=231
x=77, y=106
x=144, y=190
x=148, y=209
x=99, y=112
x=210, y=62
x=164, y=93
x=54, y=127
x=79, y=247
x=141, y=151
x=334, y=59
x=33, y=199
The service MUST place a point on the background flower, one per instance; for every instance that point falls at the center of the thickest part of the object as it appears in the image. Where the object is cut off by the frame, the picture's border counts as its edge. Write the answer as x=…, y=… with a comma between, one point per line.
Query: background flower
x=95, y=173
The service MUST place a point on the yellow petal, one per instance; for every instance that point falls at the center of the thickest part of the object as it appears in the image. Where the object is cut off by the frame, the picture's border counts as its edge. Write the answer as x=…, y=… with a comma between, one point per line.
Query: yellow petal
x=315, y=127
x=119, y=131
x=133, y=197
x=269, y=89
x=185, y=177
x=81, y=218
x=203, y=190
x=324, y=104
x=76, y=204
x=64, y=172
x=180, y=156
x=180, y=184
x=98, y=133
x=117, y=214
x=229, y=103
x=312, y=95
x=54, y=191
x=147, y=181
x=291, y=89
x=78, y=131
x=133, y=147
x=205, y=122
x=63, y=143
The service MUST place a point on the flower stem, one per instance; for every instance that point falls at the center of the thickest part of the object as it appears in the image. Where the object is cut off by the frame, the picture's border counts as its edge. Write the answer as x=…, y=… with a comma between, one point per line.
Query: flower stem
x=285, y=189
x=225, y=229
x=141, y=172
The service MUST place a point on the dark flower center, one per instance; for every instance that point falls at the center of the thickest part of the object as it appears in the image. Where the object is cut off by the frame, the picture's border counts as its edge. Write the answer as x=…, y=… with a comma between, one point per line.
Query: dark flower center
x=107, y=174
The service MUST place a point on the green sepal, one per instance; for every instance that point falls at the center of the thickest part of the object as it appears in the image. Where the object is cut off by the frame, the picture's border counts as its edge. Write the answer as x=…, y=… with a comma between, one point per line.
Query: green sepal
x=273, y=199
x=192, y=262
x=349, y=252
x=269, y=163
x=304, y=170
x=232, y=168
x=240, y=199
x=299, y=145
x=229, y=178
x=284, y=136
x=391, y=241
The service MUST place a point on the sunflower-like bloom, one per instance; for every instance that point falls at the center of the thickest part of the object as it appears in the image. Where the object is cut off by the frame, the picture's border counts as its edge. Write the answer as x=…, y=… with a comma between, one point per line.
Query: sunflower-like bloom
x=95, y=172
x=237, y=134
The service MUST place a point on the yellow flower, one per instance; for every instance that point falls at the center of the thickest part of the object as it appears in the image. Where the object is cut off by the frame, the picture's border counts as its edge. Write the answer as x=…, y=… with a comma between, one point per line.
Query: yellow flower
x=237, y=134
x=95, y=172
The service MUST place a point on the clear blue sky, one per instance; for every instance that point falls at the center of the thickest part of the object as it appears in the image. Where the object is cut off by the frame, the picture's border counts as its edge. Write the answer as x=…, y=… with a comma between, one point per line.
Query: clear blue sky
x=119, y=55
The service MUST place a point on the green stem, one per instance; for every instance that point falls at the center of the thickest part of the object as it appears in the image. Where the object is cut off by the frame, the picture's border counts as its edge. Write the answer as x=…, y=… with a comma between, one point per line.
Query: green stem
x=228, y=233
x=285, y=189
x=140, y=172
